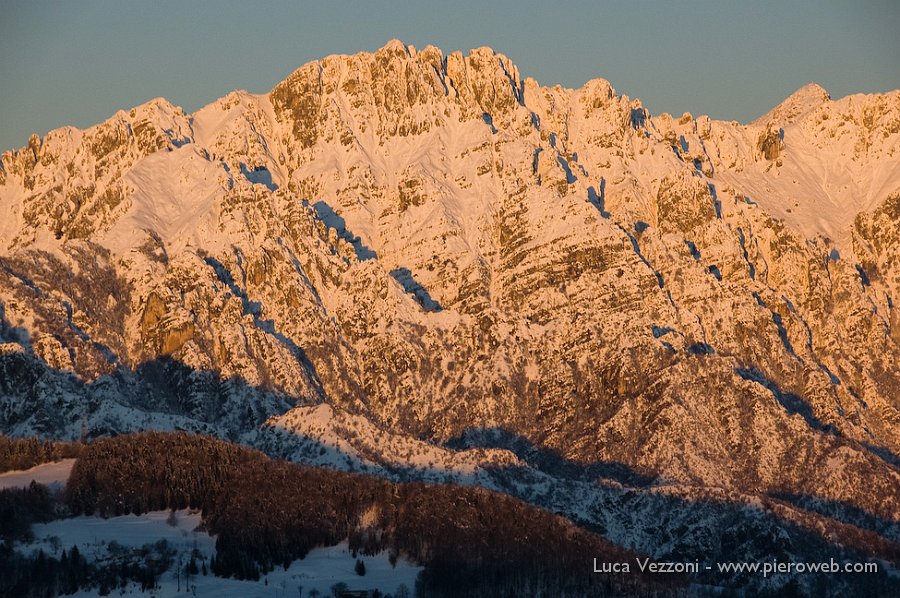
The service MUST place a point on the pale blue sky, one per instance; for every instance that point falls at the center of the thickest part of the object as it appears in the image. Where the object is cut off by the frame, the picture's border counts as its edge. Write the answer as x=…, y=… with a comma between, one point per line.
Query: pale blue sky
x=76, y=63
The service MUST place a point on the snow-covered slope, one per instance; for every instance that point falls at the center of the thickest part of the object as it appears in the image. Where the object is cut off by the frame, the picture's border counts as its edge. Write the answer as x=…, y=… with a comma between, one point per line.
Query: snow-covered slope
x=392, y=253
x=49, y=474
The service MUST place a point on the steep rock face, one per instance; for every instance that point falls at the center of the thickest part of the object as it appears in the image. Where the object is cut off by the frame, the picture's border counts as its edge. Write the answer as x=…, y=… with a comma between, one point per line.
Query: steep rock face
x=438, y=245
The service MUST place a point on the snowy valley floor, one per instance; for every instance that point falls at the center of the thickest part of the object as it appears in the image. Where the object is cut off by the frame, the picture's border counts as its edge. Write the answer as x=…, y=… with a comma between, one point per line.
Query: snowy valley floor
x=318, y=572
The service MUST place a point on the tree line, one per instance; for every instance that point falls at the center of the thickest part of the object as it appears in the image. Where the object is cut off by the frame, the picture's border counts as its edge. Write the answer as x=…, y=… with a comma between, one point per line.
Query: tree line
x=25, y=453
x=39, y=575
x=20, y=507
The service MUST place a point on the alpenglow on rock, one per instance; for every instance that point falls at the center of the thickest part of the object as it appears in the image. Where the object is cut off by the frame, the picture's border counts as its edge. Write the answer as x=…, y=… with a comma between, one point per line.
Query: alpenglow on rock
x=448, y=250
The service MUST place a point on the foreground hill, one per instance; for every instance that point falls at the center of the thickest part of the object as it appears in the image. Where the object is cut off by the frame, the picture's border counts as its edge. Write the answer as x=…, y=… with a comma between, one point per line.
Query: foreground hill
x=266, y=514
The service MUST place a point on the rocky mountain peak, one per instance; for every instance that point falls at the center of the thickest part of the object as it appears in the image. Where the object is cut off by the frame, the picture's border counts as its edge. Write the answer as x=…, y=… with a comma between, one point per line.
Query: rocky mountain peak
x=799, y=103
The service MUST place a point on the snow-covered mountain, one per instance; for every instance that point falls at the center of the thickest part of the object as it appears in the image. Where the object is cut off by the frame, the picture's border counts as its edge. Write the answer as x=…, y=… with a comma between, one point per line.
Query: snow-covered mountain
x=418, y=261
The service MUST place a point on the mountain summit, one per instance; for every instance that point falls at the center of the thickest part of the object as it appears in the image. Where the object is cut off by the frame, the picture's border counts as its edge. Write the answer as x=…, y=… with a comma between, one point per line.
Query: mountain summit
x=446, y=257
x=807, y=98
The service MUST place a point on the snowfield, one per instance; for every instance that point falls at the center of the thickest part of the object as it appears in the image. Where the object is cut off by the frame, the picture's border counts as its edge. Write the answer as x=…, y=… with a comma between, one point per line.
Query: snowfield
x=50, y=474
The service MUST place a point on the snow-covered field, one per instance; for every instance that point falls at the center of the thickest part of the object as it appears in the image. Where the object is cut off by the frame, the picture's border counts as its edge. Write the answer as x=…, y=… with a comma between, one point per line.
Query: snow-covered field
x=49, y=474
x=320, y=570
x=93, y=534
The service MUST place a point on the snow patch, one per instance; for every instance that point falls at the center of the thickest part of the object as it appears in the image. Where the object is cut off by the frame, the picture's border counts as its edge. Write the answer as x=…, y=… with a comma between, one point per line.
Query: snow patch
x=49, y=474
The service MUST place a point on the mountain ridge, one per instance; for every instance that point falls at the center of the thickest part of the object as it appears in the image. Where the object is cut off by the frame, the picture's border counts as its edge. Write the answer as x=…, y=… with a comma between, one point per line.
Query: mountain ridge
x=439, y=247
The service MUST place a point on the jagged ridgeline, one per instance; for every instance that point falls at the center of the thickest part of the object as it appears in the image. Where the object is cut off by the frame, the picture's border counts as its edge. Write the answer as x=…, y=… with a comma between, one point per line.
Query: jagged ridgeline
x=521, y=286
